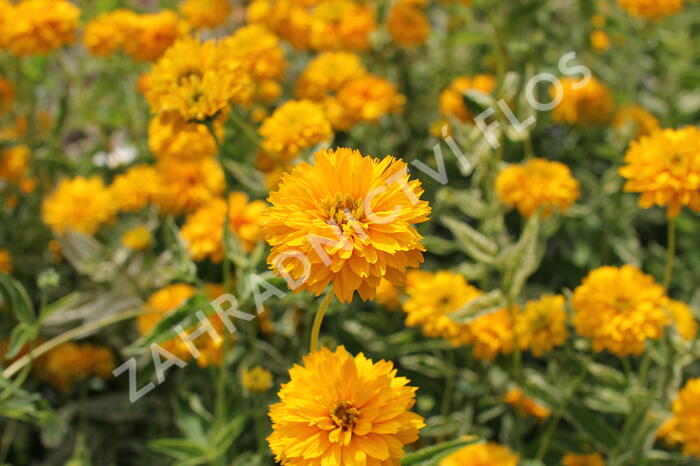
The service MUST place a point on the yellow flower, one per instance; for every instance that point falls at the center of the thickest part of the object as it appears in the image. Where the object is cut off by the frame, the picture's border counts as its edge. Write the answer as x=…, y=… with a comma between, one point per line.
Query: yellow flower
x=197, y=79
x=367, y=99
x=482, y=454
x=257, y=379
x=108, y=32
x=202, y=14
x=519, y=400
x=337, y=409
x=350, y=218
x=537, y=183
x=407, y=23
x=642, y=121
x=388, y=295
x=652, y=9
x=203, y=230
x=598, y=21
x=600, y=40
x=5, y=262
x=431, y=300
x=492, y=334
x=13, y=163
x=452, y=99
x=73, y=362
x=7, y=91
x=258, y=50
x=296, y=125
x=289, y=19
x=6, y=12
x=37, y=27
x=684, y=426
x=138, y=238
x=592, y=459
x=683, y=318
x=79, y=204
x=590, y=104
x=266, y=91
x=189, y=185
x=150, y=35
x=341, y=25
x=542, y=325
x=665, y=168
x=619, y=308
x=136, y=188
x=327, y=73
x=169, y=136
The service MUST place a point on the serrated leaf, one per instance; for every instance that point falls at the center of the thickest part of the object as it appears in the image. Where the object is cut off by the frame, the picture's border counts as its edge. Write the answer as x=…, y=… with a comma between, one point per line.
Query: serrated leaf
x=478, y=246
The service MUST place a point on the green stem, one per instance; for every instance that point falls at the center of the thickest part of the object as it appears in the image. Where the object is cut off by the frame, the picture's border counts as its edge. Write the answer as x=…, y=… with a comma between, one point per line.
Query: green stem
x=318, y=320
x=670, y=254
x=68, y=336
x=449, y=389
x=245, y=128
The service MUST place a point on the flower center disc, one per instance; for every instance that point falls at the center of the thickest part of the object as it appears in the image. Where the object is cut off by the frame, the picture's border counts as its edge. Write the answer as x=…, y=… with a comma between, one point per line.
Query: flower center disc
x=341, y=209
x=345, y=416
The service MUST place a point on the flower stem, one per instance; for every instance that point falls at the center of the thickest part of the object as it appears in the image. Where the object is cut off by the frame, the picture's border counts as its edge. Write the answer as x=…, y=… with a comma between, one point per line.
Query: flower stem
x=670, y=254
x=318, y=320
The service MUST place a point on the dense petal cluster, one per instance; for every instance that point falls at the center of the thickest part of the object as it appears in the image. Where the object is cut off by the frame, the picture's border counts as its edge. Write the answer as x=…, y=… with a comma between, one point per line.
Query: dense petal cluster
x=638, y=118
x=529, y=407
x=150, y=35
x=73, y=362
x=683, y=319
x=684, y=427
x=665, y=168
x=482, y=454
x=206, y=13
x=582, y=102
x=408, y=23
x=537, y=183
x=259, y=51
x=431, y=300
x=327, y=73
x=107, y=33
x=256, y=380
x=133, y=190
x=452, y=98
x=137, y=238
x=541, y=326
x=365, y=99
x=296, y=125
x=346, y=220
x=493, y=334
x=652, y=9
x=338, y=409
x=590, y=459
x=80, y=204
x=619, y=308
x=171, y=137
x=197, y=79
x=37, y=27
x=203, y=229
x=188, y=185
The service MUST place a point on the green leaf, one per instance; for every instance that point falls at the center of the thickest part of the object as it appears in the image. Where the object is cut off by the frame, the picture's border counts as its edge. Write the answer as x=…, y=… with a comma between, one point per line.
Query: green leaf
x=433, y=452
x=60, y=304
x=16, y=296
x=593, y=425
x=478, y=246
x=521, y=260
x=484, y=304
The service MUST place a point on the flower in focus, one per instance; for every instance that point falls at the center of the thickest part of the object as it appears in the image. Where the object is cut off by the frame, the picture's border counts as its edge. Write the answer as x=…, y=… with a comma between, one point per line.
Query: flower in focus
x=7, y=92
x=367, y=99
x=79, y=204
x=388, y=295
x=591, y=459
x=137, y=238
x=652, y=9
x=344, y=410
x=37, y=27
x=482, y=454
x=203, y=229
x=150, y=35
x=408, y=23
x=619, y=308
x=351, y=217
x=73, y=362
x=202, y=14
x=169, y=136
x=107, y=33
x=327, y=73
x=259, y=51
x=640, y=119
x=542, y=325
x=5, y=261
x=583, y=104
x=684, y=426
x=189, y=185
x=519, y=400
x=537, y=183
x=600, y=40
x=197, y=79
x=665, y=168
x=431, y=300
x=683, y=319
x=452, y=98
x=133, y=190
x=296, y=125
x=341, y=25
x=256, y=380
